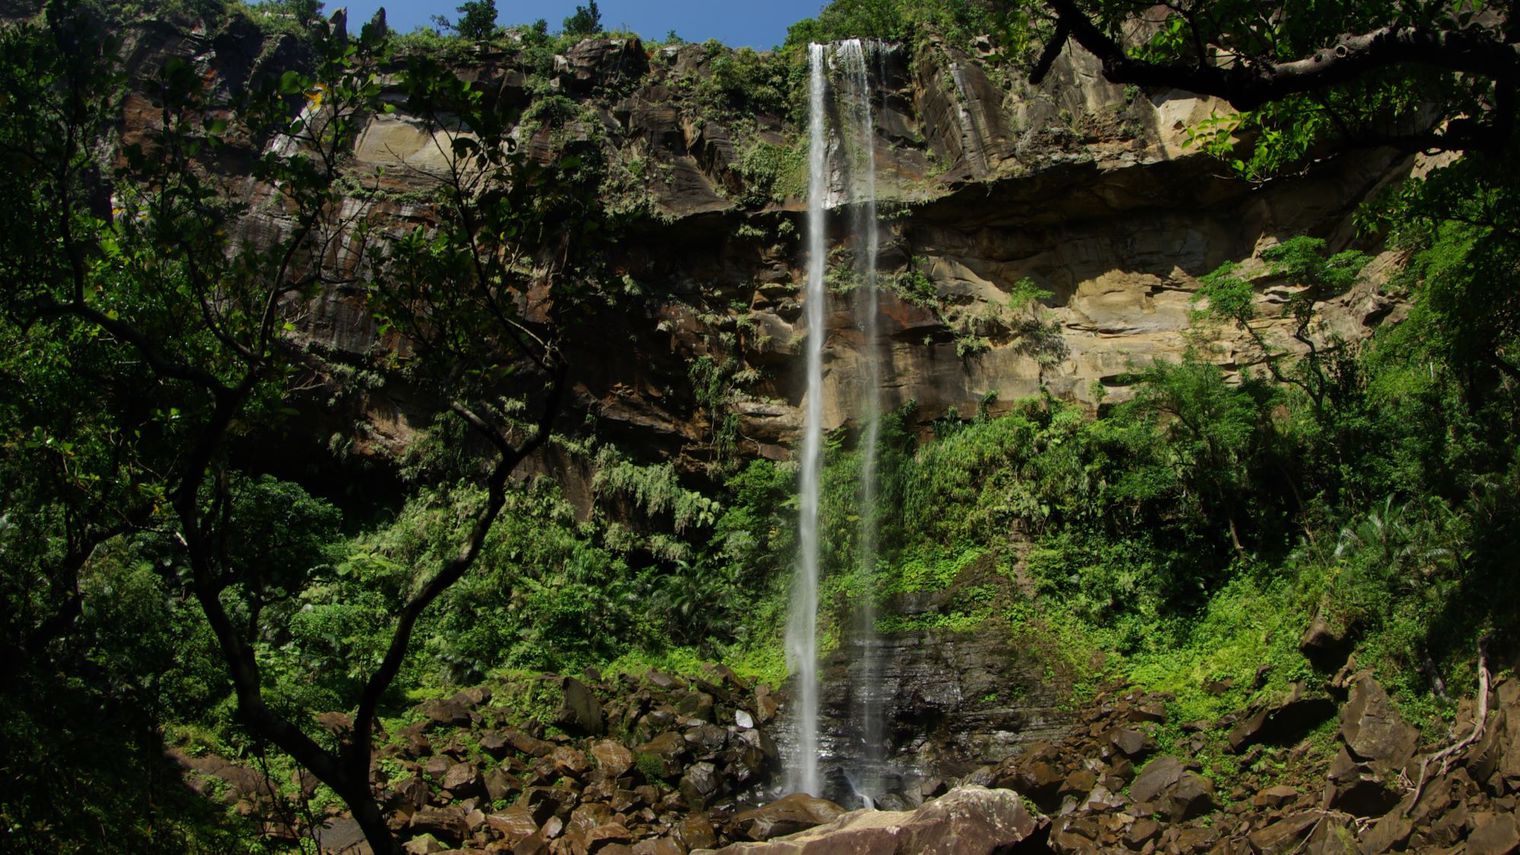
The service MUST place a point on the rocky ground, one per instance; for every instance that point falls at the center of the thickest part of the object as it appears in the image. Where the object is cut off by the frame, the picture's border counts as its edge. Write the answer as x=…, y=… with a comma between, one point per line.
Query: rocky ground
x=663, y=764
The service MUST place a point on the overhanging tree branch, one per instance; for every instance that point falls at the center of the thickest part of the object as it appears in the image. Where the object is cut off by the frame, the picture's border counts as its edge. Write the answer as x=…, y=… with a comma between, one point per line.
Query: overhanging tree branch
x=1248, y=83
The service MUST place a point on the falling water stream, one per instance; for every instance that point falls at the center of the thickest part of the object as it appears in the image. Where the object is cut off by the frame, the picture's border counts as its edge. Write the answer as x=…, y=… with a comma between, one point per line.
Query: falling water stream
x=802, y=625
x=856, y=137
x=867, y=700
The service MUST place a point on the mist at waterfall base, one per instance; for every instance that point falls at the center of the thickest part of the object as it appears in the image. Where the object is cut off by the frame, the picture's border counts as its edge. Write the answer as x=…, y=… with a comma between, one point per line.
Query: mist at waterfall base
x=842, y=759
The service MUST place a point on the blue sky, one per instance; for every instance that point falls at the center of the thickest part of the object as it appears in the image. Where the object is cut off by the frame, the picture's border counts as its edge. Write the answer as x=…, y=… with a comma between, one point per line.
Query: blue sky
x=754, y=24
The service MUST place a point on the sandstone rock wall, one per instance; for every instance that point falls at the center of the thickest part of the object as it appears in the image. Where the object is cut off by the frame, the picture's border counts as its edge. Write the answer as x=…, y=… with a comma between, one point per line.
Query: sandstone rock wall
x=1087, y=189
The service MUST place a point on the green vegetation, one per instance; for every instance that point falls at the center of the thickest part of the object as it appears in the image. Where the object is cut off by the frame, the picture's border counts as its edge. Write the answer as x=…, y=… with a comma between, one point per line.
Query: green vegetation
x=169, y=575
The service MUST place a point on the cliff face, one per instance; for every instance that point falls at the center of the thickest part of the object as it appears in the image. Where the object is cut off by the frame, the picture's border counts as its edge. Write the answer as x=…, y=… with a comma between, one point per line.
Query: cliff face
x=1088, y=190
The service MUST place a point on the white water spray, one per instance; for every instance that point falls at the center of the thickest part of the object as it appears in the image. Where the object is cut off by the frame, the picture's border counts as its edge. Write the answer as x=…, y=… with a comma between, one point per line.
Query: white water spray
x=867, y=701
x=802, y=625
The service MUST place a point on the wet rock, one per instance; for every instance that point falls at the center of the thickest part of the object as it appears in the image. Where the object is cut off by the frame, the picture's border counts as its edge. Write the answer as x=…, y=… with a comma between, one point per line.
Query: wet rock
x=969, y=820
x=1373, y=730
x=667, y=750
x=766, y=705
x=660, y=846
x=514, y=824
x=1131, y=743
x=445, y=823
x=579, y=712
x=1284, y=835
x=696, y=832
x=1173, y=789
x=612, y=757
x=700, y=785
x=787, y=815
x=569, y=761
x=463, y=780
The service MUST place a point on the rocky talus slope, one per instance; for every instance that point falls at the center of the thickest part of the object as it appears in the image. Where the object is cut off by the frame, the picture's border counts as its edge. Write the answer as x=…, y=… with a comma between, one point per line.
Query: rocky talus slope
x=663, y=764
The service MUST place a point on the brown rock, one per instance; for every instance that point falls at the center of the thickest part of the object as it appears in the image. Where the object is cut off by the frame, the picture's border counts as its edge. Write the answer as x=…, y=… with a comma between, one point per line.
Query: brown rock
x=1284, y=722
x=1174, y=790
x=526, y=744
x=513, y=824
x=1494, y=834
x=700, y=785
x=1391, y=831
x=786, y=815
x=445, y=823
x=965, y=820
x=1285, y=834
x=463, y=780
x=1131, y=743
x=569, y=761
x=611, y=757
x=1277, y=796
x=579, y=712
x=696, y=832
x=1324, y=645
x=598, y=838
x=1373, y=730
x=659, y=846
x=1141, y=831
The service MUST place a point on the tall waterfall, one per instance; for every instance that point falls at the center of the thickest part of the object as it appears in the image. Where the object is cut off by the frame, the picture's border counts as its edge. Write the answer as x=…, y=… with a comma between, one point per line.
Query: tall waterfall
x=856, y=135
x=867, y=701
x=802, y=625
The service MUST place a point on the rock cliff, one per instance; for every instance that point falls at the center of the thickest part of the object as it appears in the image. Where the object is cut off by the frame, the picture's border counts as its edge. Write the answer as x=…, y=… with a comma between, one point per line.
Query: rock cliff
x=1089, y=190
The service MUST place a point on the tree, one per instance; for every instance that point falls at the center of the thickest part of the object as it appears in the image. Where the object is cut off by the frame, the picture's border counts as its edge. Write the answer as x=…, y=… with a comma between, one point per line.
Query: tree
x=151, y=323
x=1417, y=74
x=477, y=20
x=586, y=21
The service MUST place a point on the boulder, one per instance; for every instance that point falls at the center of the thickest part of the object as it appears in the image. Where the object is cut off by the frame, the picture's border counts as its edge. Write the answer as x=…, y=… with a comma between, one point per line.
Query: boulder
x=700, y=785
x=1284, y=835
x=667, y=750
x=1373, y=730
x=1172, y=789
x=445, y=823
x=513, y=825
x=1284, y=722
x=1131, y=743
x=463, y=780
x=1494, y=834
x=786, y=815
x=612, y=757
x=580, y=712
x=965, y=821
x=1325, y=645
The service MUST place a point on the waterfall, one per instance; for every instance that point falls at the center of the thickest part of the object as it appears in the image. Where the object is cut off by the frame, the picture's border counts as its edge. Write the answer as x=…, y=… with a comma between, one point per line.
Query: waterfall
x=852, y=104
x=802, y=625
x=866, y=697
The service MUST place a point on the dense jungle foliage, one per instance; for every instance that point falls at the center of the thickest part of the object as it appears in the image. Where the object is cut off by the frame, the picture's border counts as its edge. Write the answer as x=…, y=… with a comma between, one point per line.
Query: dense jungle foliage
x=148, y=550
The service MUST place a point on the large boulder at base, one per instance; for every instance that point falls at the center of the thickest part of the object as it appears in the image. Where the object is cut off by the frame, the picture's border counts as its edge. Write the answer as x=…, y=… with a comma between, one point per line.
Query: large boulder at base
x=968, y=820
x=786, y=815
